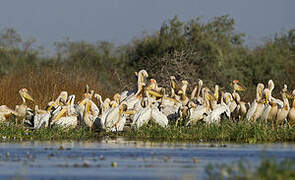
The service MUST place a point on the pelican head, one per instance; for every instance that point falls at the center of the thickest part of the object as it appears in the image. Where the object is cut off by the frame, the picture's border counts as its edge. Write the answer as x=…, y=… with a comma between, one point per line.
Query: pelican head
x=107, y=102
x=143, y=73
x=271, y=85
x=123, y=107
x=238, y=87
x=24, y=93
x=200, y=82
x=63, y=96
x=86, y=88
x=260, y=87
x=172, y=78
x=184, y=82
x=117, y=97
x=285, y=89
x=228, y=97
x=267, y=95
x=153, y=81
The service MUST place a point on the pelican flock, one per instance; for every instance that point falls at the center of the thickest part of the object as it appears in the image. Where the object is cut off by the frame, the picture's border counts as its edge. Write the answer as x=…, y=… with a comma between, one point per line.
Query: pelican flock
x=150, y=103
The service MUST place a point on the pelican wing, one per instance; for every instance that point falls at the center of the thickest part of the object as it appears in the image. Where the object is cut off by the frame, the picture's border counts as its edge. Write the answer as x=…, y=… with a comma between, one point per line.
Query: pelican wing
x=41, y=120
x=142, y=117
x=159, y=118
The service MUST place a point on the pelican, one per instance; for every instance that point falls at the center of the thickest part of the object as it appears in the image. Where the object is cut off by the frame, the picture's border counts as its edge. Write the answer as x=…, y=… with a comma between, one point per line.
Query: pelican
x=271, y=108
x=67, y=116
x=283, y=113
x=199, y=112
x=217, y=113
x=149, y=112
x=136, y=98
x=6, y=112
x=183, y=98
x=90, y=114
x=23, y=108
x=174, y=86
x=42, y=117
x=154, y=86
x=197, y=99
x=141, y=75
x=114, y=119
x=279, y=102
x=60, y=100
x=229, y=100
x=184, y=86
x=238, y=86
x=257, y=105
x=291, y=115
x=169, y=107
x=216, y=96
x=242, y=106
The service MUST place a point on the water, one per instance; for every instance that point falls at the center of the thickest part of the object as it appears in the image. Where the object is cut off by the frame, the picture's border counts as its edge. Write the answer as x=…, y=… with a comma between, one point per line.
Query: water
x=114, y=159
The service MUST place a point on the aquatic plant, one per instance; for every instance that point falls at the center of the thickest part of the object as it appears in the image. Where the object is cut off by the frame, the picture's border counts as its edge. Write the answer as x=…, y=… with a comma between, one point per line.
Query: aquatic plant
x=267, y=169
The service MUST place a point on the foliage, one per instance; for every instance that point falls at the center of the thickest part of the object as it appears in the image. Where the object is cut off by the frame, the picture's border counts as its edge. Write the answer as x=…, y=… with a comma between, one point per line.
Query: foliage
x=210, y=50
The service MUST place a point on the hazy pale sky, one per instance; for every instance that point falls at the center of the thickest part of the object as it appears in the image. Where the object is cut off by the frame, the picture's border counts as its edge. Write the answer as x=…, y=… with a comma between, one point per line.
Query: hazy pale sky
x=120, y=20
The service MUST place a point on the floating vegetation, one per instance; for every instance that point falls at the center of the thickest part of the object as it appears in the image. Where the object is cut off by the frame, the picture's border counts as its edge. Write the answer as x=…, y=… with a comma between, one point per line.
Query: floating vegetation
x=267, y=169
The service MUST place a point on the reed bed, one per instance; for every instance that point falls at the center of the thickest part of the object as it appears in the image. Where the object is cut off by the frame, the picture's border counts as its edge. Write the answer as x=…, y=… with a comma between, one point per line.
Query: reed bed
x=45, y=84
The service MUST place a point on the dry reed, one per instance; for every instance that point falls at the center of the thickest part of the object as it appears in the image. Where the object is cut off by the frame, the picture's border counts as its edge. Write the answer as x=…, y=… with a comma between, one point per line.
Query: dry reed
x=45, y=84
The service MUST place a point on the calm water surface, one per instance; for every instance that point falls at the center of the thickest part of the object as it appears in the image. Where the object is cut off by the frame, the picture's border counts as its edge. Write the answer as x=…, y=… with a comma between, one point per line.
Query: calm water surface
x=114, y=159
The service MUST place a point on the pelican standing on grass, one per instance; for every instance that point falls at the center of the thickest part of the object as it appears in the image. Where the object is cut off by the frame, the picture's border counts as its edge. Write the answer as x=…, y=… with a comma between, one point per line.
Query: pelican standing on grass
x=149, y=112
x=283, y=113
x=291, y=115
x=6, y=112
x=23, y=108
x=257, y=105
x=141, y=76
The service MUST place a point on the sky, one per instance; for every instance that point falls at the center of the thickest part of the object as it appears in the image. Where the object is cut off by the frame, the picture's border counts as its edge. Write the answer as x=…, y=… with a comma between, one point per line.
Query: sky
x=118, y=21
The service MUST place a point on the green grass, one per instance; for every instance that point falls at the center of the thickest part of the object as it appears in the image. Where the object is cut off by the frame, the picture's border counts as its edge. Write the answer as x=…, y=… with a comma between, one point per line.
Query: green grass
x=266, y=170
x=242, y=132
